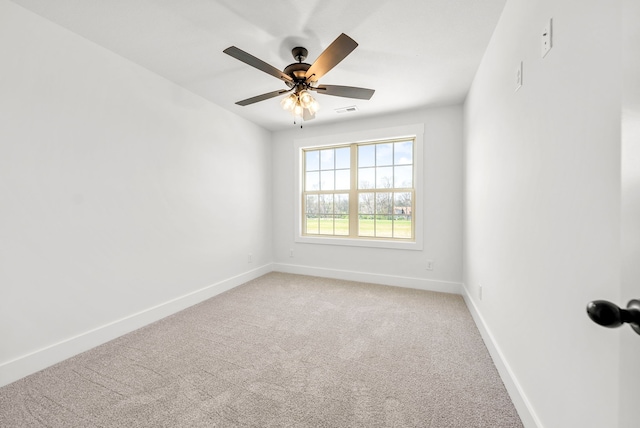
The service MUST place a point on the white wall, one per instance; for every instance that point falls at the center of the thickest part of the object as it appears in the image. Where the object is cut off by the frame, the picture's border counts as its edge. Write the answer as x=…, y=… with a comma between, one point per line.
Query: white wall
x=442, y=196
x=120, y=191
x=542, y=205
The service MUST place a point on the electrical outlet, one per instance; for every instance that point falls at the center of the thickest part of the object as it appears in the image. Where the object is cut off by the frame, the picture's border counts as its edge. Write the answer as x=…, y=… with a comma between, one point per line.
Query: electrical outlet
x=250, y=258
x=291, y=252
x=429, y=264
x=547, y=38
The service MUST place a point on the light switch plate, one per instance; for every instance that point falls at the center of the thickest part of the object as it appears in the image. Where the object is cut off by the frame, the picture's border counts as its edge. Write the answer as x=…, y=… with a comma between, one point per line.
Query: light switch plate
x=547, y=39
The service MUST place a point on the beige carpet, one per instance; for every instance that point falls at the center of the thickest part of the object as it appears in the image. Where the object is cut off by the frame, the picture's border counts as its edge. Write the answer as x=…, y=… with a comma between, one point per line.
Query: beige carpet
x=280, y=351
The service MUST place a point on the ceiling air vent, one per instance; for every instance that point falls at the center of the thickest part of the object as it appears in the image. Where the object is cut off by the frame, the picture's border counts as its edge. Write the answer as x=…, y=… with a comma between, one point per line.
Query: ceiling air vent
x=349, y=109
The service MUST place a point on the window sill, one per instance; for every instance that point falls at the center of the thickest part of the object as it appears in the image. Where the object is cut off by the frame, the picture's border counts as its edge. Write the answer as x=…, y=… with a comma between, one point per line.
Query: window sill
x=369, y=243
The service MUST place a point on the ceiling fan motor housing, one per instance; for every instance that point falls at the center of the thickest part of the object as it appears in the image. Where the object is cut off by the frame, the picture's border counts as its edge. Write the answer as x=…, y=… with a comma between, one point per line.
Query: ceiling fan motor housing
x=297, y=71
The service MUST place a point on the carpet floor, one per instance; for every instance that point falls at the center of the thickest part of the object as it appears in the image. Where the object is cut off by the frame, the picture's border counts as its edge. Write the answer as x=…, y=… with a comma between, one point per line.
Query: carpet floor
x=280, y=351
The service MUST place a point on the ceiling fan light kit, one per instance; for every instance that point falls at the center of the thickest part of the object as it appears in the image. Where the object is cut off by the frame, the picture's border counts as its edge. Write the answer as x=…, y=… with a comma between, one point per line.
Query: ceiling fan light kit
x=301, y=77
x=297, y=102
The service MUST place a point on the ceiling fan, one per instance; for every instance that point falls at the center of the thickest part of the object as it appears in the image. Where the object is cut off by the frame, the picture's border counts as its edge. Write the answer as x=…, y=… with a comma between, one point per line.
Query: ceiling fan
x=301, y=77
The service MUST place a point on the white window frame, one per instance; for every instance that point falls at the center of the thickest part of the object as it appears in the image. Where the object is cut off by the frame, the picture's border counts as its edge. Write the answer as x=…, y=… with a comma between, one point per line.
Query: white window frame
x=415, y=131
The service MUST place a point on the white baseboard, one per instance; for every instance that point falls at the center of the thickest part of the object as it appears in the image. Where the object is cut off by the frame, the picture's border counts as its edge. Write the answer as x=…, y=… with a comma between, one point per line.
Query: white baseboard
x=374, y=278
x=25, y=365
x=522, y=404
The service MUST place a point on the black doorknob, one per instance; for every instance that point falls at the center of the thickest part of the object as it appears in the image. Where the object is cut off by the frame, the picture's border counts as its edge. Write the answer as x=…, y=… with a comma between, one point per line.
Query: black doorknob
x=610, y=315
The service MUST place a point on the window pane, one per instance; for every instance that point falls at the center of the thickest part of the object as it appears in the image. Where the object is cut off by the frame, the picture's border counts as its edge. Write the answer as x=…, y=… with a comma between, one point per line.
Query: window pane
x=366, y=178
x=312, y=161
x=402, y=204
x=341, y=204
x=312, y=204
x=341, y=225
x=384, y=177
x=384, y=203
x=326, y=225
x=384, y=154
x=343, y=158
x=366, y=155
x=403, y=153
x=326, y=159
x=312, y=224
x=366, y=225
x=366, y=203
x=403, y=176
x=402, y=224
x=384, y=227
x=326, y=204
x=326, y=180
x=402, y=228
x=343, y=180
x=312, y=181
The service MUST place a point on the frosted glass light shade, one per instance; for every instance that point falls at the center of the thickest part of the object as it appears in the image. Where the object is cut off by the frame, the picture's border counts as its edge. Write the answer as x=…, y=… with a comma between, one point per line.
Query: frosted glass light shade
x=288, y=103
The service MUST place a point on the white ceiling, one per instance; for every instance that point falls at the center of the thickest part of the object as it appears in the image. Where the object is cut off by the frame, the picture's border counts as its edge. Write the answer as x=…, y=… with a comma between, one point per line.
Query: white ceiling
x=414, y=53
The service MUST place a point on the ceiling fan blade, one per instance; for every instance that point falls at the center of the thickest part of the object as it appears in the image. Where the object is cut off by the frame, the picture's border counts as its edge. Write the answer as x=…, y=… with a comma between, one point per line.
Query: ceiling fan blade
x=261, y=97
x=345, y=91
x=251, y=60
x=307, y=115
x=332, y=55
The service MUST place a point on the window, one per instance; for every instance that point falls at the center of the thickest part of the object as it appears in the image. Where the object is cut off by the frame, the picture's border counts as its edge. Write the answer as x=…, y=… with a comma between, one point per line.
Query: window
x=328, y=211
x=359, y=190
